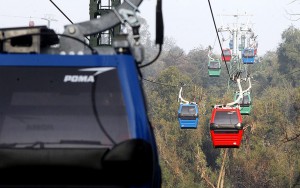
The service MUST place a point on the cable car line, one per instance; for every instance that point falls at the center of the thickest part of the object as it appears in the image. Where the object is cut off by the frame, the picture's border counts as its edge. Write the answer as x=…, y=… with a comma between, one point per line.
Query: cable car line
x=164, y=84
x=159, y=83
x=169, y=85
x=64, y=15
x=212, y=14
x=61, y=12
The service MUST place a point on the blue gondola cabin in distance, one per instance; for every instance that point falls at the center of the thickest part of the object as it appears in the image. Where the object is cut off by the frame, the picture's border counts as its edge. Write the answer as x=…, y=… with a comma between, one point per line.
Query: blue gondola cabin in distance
x=188, y=116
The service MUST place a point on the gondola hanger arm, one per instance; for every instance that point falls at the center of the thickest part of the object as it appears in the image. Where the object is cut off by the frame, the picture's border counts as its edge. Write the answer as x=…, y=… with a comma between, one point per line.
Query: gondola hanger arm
x=250, y=85
x=106, y=21
x=209, y=53
x=238, y=80
x=180, y=99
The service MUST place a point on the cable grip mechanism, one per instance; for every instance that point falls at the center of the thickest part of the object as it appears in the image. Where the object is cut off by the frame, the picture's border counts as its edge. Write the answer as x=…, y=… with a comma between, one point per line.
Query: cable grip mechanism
x=130, y=17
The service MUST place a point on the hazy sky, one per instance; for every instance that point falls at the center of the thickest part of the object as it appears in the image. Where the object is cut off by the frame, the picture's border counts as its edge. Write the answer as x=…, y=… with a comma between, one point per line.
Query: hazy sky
x=188, y=22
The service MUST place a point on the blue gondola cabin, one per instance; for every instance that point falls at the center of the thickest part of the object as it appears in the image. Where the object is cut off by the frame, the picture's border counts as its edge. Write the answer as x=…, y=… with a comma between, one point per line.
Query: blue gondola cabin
x=188, y=116
x=74, y=120
x=248, y=56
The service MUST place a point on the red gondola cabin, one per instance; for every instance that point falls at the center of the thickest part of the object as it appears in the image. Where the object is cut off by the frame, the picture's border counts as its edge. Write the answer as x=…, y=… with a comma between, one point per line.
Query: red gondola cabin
x=226, y=127
x=226, y=56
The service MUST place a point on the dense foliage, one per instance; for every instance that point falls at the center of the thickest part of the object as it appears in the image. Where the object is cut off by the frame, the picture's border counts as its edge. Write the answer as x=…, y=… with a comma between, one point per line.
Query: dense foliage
x=269, y=155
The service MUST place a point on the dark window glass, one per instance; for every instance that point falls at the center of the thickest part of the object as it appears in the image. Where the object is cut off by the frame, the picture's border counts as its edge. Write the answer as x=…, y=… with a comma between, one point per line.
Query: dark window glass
x=248, y=53
x=47, y=104
x=244, y=100
x=214, y=64
x=226, y=118
x=226, y=53
x=188, y=110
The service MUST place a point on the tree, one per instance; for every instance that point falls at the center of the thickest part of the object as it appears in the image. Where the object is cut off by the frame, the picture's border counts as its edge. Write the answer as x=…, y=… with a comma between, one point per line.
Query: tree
x=288, y=55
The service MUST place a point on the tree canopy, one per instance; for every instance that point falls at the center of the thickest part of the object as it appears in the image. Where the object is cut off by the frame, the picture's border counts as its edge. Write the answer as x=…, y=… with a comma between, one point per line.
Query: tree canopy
x=269, y=155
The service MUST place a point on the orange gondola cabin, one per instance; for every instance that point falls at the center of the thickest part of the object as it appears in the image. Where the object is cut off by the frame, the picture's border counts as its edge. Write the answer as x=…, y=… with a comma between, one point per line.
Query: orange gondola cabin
x=226, y=127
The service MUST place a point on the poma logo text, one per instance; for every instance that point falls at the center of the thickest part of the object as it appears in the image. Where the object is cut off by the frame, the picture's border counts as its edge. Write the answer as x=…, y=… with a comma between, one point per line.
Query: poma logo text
x=79, y=78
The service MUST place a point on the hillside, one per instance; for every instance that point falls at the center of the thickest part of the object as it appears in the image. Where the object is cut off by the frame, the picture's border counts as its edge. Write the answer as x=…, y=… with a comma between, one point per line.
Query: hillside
x=269, y=155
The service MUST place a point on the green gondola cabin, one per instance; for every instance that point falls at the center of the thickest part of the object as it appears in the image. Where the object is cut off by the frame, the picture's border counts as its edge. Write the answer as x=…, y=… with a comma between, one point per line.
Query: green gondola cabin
x=245, y=103
x=214, y=68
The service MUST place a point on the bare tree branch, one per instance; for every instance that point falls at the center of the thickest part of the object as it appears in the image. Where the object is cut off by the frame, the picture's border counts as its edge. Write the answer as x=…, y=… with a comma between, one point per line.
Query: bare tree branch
x=292, y=14
x=207, y=180
x=287, y=139
x=292, y=2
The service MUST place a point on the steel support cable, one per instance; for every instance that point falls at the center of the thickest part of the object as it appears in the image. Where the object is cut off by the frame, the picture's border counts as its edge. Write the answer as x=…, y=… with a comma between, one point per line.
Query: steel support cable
x=159, y=83
x=212, y=14
x=64, y=15
x=168, y=85
x=194, y=78
x=191, y=82
x=164, y=84
x=61, y=12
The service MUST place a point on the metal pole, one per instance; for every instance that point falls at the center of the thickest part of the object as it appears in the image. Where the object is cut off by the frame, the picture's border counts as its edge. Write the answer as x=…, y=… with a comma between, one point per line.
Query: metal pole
x=234, y=42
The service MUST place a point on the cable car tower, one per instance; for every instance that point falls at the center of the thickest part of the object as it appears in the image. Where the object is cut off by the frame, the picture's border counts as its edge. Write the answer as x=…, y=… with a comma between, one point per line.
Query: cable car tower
x=241, y=39
x=99, y=8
